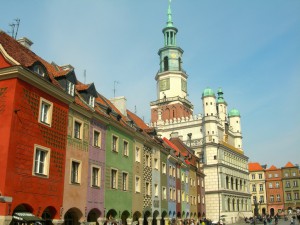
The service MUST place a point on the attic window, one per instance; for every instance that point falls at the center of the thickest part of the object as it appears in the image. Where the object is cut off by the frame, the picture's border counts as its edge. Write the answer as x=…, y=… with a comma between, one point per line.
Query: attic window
x=70, y=88
x=92, y=101
x=39, y=70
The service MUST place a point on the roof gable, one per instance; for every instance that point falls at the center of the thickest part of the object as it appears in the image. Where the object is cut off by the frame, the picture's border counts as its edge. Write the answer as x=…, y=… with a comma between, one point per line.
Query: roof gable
x=255, y=167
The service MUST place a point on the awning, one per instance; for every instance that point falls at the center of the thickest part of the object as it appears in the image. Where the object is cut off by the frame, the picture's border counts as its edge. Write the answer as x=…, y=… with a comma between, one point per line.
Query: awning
x=26, y=216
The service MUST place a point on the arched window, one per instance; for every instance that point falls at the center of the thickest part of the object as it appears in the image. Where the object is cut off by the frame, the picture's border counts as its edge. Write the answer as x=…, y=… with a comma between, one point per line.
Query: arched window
x=228, y=205
x=179, y=64
x=166, y=63
x=231, y=183
x=233, y=204
x=227, y=182
x=236, y=184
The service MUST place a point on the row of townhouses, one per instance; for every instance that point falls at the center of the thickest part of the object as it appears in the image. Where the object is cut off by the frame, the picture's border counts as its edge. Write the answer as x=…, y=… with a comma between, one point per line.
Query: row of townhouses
x=69, y=155
x=275, y=190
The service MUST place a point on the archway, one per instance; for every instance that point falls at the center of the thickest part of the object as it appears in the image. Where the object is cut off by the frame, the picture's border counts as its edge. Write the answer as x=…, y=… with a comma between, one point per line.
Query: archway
x=163, y=216
x=155, y=215
x=72, y=217
x=111, y=214
x=146, y=215
x=48, y=215
x=272, y=211
x=136, y=216
x=93, y=215
x=124, y=216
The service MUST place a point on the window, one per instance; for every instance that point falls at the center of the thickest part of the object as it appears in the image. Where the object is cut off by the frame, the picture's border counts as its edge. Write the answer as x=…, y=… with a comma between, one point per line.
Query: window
x=70, y=88
x=155, y=164
x=288, y=196
x=170, y=171
x=75, y=172
x=178, y=173
x=278, y=198
x=125, y=148
x=286, y=174
x=260, y=176
x=45, y=112
x=41, y=161
x=275, y=175
x=137, y=184
x=271, y=198
x=261, y=187
x=114, y=179
x=253, y=188
x=261, y=199
x=97, y=139
x=287, y=184
x=95, y=176
x=296, y=196
x=277, y=184
x=293, y=174
x=125, y=181
x=174, y=194
x=295, y=183
x=39, y=70
x=182, y=177
x=254, y=199
x=253, y=176
x=182, y=196
x=147, y=160
x=164, y=168
x=270, y=185
x=156, y=190
x=164, y=193
x=92, y=101
x=171, y=194
x=147, y=188
x=174, y=173
x=77, y=129
x=137, y=154
x=115, y=143
x=270, y=175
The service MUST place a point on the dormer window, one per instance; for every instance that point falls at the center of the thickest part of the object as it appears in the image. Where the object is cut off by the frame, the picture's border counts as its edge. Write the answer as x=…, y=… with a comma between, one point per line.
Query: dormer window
x=92, y=101
x=70, y=88
x=39, y=70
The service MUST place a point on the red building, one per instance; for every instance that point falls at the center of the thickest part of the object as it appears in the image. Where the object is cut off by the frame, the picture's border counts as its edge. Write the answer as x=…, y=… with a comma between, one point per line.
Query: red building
x=33, y=130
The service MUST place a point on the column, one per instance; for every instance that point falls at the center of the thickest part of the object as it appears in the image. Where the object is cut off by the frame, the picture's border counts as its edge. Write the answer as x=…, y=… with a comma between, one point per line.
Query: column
x=57, y=221
x=129, y=221
x=158, y=220
x=167, y=221
x=141, y=221
x=101, y=220
x=149, y=220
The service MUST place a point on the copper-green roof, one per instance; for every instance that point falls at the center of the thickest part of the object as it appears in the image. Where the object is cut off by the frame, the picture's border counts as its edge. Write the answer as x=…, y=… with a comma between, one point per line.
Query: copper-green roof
x=208, y=92
x=234, y=112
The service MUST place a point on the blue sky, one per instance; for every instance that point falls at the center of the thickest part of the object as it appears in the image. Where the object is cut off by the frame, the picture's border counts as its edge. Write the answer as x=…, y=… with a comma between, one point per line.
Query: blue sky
x=249, y=48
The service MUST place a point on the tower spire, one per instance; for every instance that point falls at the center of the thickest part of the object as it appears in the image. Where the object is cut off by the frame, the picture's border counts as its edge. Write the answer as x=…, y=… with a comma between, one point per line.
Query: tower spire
x=170, y=22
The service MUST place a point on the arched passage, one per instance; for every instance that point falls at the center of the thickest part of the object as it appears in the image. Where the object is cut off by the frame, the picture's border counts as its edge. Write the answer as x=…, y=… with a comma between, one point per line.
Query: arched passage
x=146, y=215
x=124, y=216
x=72, y=217
x=93, y=215
x=48, y=215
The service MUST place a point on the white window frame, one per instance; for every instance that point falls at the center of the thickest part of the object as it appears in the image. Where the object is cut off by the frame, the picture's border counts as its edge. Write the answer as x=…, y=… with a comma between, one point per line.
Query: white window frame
x=164, y=168
x=95, y=178
x=114, y=180
x=137, y=154
x=155, y=162
x=70, y=88
x=45, y=114
x=137, y=184
x=164, y=193
x=77, y=178
x=125, y=179
x=125, y=148
x=45, y=162
x=78, y=134
x=92, y=101
x=156, y=190
x=114, y=144
x=96, y=140
x=147, y=189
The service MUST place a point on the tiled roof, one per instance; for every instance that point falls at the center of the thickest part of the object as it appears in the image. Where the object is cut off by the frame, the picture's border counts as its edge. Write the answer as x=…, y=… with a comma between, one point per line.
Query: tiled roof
x=183, y=148
x=137, y=120
x=272, y=168
x=170, y=144
x=289, y=165
x=254, y=167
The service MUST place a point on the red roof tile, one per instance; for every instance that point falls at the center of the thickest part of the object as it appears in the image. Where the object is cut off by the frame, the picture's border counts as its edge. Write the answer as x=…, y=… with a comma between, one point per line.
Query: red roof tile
x=272, y=168
x=289, y=164
x=255, y=167
x=137, y=120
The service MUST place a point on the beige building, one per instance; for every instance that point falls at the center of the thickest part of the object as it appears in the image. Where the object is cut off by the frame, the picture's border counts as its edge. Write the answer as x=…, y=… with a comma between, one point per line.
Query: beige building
x=258, y=189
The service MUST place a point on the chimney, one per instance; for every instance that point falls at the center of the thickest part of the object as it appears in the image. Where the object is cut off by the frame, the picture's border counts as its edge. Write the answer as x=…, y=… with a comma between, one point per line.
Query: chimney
x=120, y=103
x=25, y=42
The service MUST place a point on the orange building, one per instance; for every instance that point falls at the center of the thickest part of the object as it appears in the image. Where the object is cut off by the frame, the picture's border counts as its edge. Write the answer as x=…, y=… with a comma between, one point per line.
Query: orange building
x=274, y=190
x=33, y=127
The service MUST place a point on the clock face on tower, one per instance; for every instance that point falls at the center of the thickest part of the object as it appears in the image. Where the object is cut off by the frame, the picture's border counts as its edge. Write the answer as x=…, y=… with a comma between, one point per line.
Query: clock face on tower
x=164, y=84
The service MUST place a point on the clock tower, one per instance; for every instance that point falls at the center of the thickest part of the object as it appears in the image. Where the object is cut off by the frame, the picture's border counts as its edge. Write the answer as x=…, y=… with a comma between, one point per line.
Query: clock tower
x=171, y=80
